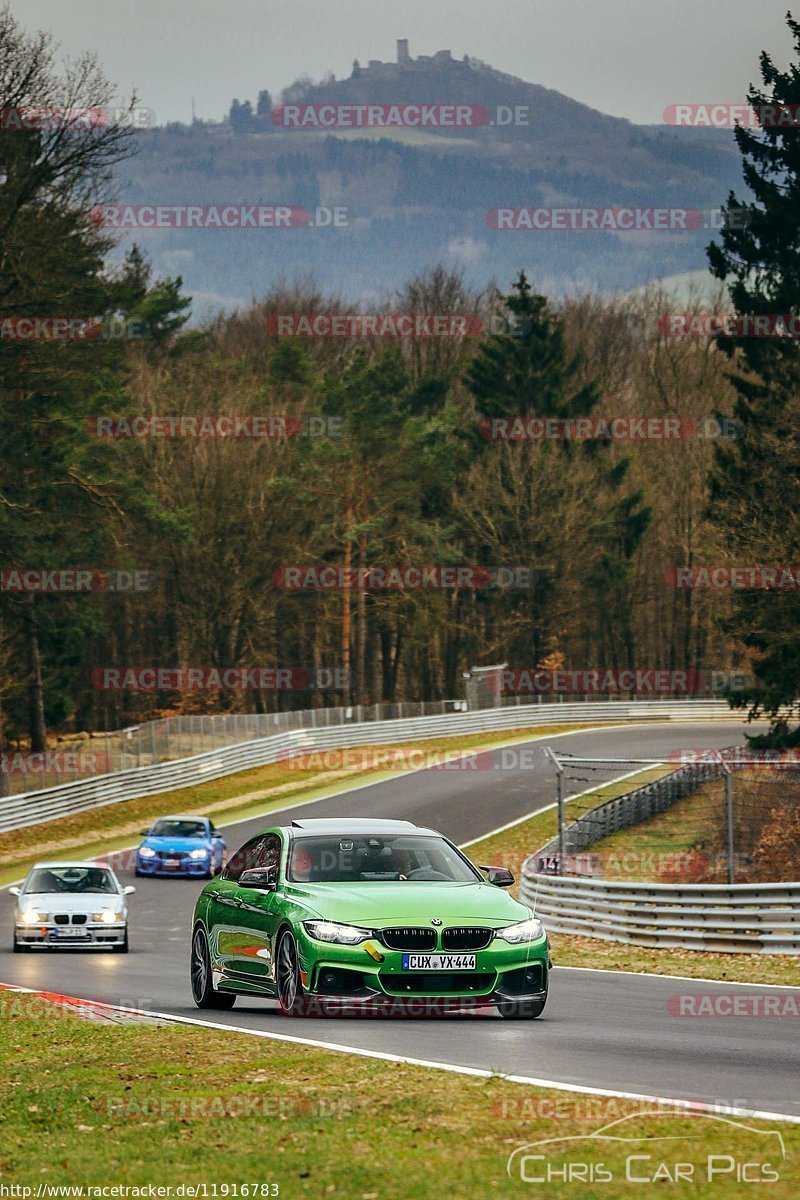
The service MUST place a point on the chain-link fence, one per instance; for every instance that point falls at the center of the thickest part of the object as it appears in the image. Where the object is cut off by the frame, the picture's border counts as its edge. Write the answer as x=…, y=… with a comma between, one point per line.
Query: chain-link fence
x=730, y=816
x=179, y=737
x=84, y=756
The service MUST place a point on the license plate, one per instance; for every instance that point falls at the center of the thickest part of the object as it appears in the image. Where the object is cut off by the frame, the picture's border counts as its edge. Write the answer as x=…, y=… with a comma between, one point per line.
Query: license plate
x=66, y=932
x=438, y=962
x=172, y=863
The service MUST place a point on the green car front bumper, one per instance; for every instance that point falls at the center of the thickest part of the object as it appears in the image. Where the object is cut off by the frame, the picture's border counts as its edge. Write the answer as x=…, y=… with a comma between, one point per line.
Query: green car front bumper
x=372, y=970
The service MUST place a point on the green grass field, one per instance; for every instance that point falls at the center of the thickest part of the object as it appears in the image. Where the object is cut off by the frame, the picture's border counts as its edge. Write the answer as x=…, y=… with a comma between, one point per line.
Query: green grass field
x=83, y=1103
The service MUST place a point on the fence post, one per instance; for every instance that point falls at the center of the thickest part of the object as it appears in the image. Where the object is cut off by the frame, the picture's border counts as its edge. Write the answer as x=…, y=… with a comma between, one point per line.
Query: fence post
x=560, y=797
x=729, y=819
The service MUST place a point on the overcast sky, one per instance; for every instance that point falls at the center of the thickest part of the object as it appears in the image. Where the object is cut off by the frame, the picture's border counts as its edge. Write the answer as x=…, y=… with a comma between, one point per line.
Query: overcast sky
x=630, y=58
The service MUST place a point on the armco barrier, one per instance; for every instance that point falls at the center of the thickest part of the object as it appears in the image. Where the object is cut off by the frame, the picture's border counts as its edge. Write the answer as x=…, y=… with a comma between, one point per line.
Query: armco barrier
x=741, y=917
x=33, y=808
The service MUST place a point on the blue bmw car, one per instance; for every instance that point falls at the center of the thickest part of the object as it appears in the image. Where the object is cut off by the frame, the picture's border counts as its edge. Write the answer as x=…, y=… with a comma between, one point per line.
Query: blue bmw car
x=181, y=846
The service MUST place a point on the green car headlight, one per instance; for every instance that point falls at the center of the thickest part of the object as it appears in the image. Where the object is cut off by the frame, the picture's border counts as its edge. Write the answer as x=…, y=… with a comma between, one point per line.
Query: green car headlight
x=330, y=931
x=524, y=931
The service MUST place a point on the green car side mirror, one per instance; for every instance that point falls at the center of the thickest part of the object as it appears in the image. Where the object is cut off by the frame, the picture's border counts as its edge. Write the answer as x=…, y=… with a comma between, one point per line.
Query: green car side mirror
x=261, y=879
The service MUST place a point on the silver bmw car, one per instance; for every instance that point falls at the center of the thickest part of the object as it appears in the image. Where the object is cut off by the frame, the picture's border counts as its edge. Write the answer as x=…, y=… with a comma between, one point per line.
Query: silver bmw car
x=71, y=904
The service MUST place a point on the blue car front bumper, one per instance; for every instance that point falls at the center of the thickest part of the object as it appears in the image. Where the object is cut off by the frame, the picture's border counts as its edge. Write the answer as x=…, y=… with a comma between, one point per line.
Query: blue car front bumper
x=183, y=865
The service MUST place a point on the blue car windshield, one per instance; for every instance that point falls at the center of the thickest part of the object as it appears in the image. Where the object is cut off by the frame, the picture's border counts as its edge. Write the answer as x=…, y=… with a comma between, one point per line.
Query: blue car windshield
x=179, y=829
x=352, y=858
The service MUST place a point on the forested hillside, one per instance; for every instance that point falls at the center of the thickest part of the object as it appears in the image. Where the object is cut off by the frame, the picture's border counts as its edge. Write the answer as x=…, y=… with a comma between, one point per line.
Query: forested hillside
x=418, y=196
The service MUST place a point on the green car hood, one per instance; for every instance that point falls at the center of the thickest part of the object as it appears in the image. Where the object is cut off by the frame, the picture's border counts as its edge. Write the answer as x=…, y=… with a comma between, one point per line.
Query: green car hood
x=405, y=902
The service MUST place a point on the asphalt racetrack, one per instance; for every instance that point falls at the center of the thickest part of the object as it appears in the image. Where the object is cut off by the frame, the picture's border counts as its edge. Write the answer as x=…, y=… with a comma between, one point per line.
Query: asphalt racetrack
x=601, y=1029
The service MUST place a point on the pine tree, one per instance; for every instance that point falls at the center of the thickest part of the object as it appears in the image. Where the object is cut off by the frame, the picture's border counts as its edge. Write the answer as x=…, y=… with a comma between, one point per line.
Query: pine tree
x=560, y=506
x=754, y=493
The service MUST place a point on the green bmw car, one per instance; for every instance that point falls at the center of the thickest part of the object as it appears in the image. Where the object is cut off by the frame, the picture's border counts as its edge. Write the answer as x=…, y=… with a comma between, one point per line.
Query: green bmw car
x=333, y=915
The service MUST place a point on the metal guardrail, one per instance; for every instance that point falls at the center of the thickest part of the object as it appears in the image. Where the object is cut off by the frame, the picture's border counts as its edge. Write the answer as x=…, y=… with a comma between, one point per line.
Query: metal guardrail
x=82, y=756
x=36, y=807
x=739, y=918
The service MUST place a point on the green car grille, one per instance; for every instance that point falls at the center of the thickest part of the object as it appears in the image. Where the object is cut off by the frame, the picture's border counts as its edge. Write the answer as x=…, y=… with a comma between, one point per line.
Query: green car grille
x=408, y=938
x=466, y=937
x=437, y=983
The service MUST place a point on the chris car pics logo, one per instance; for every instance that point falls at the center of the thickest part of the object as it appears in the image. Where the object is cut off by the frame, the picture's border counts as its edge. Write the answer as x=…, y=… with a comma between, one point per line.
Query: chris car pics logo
x=621, y=1151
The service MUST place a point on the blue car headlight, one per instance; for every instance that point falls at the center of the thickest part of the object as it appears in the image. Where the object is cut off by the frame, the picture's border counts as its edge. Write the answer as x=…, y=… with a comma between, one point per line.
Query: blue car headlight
x=330, y=931
x=523, y=931
x=203, y=853
x=146, y=852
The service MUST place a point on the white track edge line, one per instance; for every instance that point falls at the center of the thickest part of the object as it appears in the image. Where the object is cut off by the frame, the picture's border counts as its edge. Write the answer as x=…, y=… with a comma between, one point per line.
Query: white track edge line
x=480, y=1072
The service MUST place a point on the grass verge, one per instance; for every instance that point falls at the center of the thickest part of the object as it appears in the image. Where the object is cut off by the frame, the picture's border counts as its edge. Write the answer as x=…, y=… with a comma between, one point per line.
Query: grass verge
x=85, y=1104
x=231, y=798
x=688, y=842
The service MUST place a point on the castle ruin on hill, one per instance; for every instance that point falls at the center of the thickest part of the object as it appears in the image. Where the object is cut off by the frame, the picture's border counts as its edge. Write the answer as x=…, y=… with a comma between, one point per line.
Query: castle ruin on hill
x=387, y=70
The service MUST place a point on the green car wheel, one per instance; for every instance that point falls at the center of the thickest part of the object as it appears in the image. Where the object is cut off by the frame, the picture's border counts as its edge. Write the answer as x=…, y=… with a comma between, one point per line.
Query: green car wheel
x=203, y=990
x=290, y=988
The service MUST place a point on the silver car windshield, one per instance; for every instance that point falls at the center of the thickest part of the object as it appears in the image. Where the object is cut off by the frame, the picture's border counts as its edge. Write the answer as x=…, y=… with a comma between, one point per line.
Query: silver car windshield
x=352, y=858
x=70, y=880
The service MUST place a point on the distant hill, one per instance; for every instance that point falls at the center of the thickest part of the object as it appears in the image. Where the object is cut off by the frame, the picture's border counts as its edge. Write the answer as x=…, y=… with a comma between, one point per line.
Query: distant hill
x=419, y=196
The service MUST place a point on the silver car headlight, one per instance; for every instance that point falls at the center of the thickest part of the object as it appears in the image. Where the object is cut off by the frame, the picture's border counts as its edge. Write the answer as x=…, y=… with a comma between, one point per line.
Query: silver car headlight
x=523, y=931
x=32, y=916
x=108, y=916
x=330, y=931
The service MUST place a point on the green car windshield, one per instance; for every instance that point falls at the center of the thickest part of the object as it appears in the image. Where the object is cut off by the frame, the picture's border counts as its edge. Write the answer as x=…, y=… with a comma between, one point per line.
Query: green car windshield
x=365, y=859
